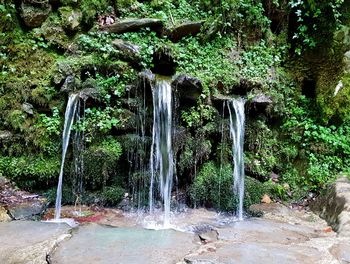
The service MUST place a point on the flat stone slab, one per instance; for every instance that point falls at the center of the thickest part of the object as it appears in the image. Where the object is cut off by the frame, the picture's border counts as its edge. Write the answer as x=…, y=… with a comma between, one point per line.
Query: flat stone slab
x=104, y=244
x=29, y=241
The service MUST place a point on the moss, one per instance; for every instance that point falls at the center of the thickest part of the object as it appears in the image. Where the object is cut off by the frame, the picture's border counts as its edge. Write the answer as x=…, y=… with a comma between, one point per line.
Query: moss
x=30, y=173
x=213, y=187
x=100, y=164
x=112, y=195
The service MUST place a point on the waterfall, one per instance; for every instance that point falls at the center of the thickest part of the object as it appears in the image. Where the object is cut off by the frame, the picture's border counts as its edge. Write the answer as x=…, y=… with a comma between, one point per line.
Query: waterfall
x=161, y=161
x=237, y=119
x=68, y=122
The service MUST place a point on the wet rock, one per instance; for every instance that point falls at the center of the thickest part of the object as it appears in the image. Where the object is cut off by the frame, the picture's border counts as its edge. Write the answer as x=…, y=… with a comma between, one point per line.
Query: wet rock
x=261, y=99
x=90, y=92
x=24, y=242
x=69, y=84
x=341, y=252
x=20, y=204
x=260, y=104
x=245, y=86
x=184, y=30
x=334, y=206
x=209, y=236
x=4, y=217
x=189, y=88
x=28, y=108
x=134, y=24
x=34, y=16
x=71, y=19
x=27, y=209
x=164, y=61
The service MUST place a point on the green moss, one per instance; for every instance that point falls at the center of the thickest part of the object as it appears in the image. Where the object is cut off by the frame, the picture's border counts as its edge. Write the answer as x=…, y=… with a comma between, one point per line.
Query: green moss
x=112, y=195
x=213, y=187
x=30, y=172
x=100, y=164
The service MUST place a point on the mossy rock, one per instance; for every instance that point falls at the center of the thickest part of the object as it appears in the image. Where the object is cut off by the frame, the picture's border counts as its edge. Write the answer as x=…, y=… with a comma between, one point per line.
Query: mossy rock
x=213, y=187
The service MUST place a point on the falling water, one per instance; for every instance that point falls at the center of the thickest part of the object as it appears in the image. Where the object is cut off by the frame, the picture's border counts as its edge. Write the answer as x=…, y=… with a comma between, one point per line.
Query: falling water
x=68, y=122
x=161, y=161
x=237, y=134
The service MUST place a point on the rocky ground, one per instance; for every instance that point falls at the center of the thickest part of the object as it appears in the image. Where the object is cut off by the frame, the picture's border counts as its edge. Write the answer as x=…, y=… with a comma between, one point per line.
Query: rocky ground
x=282, y=235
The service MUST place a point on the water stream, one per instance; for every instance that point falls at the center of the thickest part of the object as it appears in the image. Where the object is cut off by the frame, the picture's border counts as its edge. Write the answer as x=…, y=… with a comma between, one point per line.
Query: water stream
x=161, y=160
x=68, y=122
x=237, y=119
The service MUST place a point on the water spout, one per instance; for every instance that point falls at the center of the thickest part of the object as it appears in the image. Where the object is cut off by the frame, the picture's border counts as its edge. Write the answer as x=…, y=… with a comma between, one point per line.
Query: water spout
x=161, y=161
x=237, y=119
x=68, y=122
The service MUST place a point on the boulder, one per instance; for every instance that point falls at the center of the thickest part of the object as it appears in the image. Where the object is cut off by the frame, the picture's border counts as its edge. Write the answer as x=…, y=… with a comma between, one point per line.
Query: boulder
x=259, y=104
x=209, y=236
x=87, y=93
x=126, y=47
x=189, y=88
x=134, y=24
x=34, y=16
x=28, y=108
x=20, y=204
x=27, y=209
x=71, y=19
x=164, y=61
x=184, y=30
x=334, y=206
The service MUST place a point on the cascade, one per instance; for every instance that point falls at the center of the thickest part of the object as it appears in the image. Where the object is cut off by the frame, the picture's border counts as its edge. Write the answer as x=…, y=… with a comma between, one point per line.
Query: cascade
x=68, y=122
x=161, y=160
x=237, y=119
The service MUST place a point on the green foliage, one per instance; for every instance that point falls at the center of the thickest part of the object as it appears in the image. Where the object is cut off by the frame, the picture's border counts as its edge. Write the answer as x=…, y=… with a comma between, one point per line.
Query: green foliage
x=100, y=163
x=170, y=12
x=324, y=147
x=197, y=116
x=112, y=195
x=258, y=62
x=7, y=16
x=30, y=172
x=314, y=16
x=51, y=124
x=213, y=187
x=196, y=59
x=243, y=16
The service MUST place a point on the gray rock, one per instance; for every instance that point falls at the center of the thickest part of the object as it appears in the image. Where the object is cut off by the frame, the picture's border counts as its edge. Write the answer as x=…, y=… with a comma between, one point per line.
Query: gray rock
x=189, y=88
x=341, y=252
x=69, y=84
x=334, y=206
x=71, y=19
x=34, y=16
x=184, y=30
x=25, y=242
x=134, y=24
x=261, y=99
x=126, y=47
x=28, y=209
x=209, y=236
x=89, y=93
x=28, y=108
